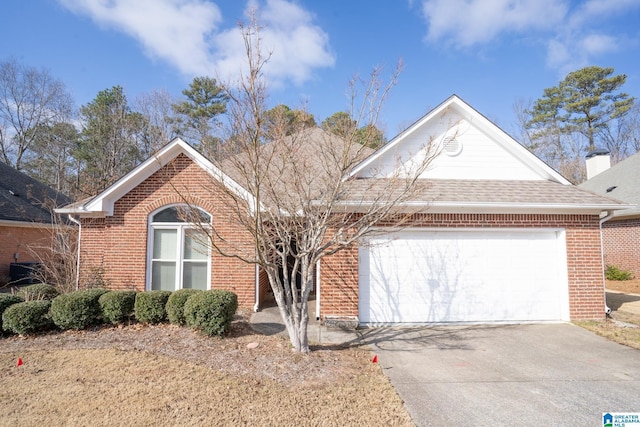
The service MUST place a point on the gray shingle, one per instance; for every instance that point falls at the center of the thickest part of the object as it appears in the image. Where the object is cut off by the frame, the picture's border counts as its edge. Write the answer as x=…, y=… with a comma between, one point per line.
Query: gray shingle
x=446, y=191
x=23, y=198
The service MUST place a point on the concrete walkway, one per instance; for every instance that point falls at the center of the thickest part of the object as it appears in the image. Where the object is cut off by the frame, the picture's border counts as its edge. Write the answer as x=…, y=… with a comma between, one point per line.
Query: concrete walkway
x=628, y=303
x=268, y=321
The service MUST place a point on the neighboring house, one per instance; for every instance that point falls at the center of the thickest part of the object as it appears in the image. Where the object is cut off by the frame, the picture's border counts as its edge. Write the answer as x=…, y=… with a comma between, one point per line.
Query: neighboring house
x=26, y=206
x=496, y=234
x=620, y=231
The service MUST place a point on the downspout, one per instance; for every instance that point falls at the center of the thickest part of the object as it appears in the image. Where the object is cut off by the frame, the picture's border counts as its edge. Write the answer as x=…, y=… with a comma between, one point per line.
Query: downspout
x=318, y=290
x=256, y=306
x=75, y=221
x=607, y=216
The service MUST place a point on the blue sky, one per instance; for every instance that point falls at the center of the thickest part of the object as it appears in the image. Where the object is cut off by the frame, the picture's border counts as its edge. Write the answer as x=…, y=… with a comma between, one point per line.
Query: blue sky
x=489, y=52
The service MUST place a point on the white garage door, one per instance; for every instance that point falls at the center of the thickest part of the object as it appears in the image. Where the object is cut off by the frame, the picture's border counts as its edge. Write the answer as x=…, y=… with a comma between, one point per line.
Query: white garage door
x=463, y=276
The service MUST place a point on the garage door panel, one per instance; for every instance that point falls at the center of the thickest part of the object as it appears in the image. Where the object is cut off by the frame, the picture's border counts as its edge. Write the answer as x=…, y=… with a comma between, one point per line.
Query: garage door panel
x=463, y=276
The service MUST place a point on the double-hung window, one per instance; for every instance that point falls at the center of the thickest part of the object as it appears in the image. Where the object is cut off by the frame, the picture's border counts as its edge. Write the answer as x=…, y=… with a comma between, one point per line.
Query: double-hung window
x=179, y=256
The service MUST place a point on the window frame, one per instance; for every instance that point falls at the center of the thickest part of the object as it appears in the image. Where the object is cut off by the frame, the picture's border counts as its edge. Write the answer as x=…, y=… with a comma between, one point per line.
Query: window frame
x=181, y=232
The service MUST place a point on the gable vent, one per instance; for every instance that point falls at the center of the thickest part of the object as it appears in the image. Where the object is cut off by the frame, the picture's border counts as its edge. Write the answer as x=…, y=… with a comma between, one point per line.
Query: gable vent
x=452, y=146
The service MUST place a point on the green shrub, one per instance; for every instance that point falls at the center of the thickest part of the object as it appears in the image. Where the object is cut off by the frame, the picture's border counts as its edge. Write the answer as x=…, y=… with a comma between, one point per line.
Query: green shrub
x=614, y=273
x=38, y=291
x=175, y=305
x=211, y=311
x=150, y=306
x=27, y=317
x=78, y=309
x=117, y=306
x=7, y=300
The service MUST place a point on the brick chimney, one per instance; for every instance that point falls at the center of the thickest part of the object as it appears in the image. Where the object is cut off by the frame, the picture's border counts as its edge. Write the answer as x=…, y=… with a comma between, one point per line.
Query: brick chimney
x=598, y=161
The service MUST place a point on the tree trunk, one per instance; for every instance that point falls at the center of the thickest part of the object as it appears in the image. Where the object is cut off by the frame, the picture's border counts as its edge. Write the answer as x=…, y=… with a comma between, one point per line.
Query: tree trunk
x=294, y=310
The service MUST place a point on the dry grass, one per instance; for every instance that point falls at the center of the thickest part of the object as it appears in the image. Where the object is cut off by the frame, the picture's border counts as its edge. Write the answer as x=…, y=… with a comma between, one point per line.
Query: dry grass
x=623, y=327
x=614, y=331
x=626, y=286
x=164, y=375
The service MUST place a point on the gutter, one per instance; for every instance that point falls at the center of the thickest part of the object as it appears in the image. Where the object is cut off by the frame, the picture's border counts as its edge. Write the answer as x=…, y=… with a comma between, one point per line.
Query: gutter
x=256, y=306
x=75, y=221
x=318, y=290
x=608, y=215
x=495, y=205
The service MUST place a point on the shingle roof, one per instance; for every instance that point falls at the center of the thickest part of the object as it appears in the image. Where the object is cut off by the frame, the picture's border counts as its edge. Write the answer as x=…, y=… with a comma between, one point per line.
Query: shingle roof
x=23, y=198
x=308, y=163
x=509, y=193
x=623, y=180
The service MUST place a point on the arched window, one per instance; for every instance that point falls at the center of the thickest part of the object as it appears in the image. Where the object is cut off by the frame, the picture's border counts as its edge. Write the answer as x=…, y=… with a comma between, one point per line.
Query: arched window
x=178, y=250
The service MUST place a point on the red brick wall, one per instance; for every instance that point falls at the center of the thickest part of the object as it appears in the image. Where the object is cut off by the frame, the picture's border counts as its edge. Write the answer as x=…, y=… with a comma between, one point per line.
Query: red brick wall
x=115, y=247
x=339, y=281
x=621, y=241
x=20, y=240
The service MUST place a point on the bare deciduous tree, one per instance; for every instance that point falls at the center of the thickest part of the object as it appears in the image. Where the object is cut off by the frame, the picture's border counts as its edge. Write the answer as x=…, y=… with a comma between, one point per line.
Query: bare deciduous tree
x=304, y=205
x=57, y=256
x=30, y=100
x=157, y=107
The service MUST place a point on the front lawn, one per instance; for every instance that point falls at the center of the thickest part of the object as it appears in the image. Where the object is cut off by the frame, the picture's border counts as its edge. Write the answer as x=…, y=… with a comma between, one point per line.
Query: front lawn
x=167, y=375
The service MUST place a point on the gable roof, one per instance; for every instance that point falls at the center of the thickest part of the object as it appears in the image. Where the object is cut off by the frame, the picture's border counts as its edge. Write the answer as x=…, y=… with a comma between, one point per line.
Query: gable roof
x=621, y=182
x=303, y=163
x=103, y=204
x=486, y=196
x=534, y=186
x=454, y=105
x=25, y=199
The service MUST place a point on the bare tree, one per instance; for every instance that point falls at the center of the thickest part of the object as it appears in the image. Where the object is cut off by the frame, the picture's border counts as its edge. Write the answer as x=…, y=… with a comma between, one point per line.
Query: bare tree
x=30, y=100
x=156, y=106
x=57, y=256
x=304, y=206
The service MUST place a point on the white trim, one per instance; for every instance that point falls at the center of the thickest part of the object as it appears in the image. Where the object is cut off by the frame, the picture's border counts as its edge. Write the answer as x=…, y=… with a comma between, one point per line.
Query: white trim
x=507, y=142
x=79, y=224
x=26, y=224
x=180, y=228
x=497, y=208
x=318, y=290
x=256, y=305
x=103, y=204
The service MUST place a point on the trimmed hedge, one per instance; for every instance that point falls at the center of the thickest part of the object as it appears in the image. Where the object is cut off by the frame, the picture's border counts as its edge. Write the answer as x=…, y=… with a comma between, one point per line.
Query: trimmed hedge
x=78, y=309
x=7, y=300
x=211, y=312
x=175, y=305
x=39, y=291
x=150, y=306
x=117, y=306
x=27, y=317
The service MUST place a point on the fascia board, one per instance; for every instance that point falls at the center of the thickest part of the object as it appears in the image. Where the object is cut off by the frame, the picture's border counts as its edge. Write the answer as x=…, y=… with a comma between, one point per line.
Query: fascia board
x=470, y=207
x=103, y=204
x=401, y=136
x=525, y=156
x=24, y=224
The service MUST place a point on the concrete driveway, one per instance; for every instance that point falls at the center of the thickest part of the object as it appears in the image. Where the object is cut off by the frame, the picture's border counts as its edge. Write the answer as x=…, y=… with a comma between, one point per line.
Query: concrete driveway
x=546, y=374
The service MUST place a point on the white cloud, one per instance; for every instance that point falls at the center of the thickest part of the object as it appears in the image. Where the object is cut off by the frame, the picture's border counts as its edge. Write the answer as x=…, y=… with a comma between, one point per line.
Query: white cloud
x=465, y=23
x=176, y=31
x=297, y=46
x=600, y=9
x=567, y=28
x=187, y=35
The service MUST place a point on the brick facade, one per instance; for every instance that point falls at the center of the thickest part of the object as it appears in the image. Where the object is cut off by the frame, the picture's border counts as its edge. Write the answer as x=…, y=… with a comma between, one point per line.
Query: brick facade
x=114, y=249
x=21, y=240
x=339, y=272
x=621, y=244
